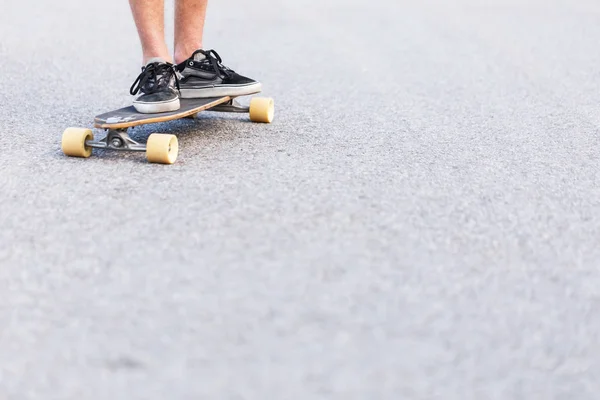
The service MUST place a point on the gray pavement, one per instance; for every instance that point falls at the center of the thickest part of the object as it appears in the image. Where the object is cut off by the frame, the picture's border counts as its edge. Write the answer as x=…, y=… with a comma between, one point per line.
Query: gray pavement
x=420, y=221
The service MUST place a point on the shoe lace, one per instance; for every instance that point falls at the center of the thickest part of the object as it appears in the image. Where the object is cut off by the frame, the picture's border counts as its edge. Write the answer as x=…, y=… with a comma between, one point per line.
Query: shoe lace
x=154, y=77
x=213, y=58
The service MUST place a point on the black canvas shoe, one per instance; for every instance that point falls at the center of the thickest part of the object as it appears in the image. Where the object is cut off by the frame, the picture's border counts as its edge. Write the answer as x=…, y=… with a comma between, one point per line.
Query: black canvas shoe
x=203, y=75
x=159, y=87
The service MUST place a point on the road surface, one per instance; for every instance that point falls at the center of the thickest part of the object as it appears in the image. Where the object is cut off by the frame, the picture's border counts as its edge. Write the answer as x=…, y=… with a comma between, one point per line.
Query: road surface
x=419, y=222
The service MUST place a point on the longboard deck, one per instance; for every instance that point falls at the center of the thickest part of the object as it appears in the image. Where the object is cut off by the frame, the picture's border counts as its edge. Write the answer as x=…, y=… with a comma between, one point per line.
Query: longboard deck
x=128, y=117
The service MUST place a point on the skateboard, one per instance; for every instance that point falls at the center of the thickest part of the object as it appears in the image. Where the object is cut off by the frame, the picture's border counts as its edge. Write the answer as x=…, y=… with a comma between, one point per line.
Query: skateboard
x=159, y=147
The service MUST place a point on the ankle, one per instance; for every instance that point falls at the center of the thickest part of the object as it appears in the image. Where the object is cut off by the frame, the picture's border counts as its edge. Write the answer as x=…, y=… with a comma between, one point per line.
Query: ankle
x=162, y=55
x=183, y=53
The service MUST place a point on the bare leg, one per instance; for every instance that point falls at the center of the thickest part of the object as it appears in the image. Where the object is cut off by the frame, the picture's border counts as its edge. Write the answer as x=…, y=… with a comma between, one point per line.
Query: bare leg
x=189, y=27
x=149, y=16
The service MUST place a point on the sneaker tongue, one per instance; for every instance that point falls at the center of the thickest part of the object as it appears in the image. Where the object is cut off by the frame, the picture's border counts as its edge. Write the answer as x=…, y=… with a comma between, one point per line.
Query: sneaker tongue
x=199, y=57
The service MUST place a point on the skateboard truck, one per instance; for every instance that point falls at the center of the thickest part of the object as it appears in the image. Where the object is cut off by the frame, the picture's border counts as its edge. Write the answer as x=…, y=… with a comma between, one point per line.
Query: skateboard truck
x=231, y=106
x=116, y=139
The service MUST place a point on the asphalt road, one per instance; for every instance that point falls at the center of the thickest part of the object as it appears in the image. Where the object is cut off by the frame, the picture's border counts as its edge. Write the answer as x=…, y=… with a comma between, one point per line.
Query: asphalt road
x=419, y=222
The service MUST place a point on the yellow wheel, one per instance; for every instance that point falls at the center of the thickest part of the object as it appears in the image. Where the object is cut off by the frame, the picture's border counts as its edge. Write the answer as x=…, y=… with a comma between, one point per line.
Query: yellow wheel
x=73, y=142
x=162, y=148
x=262, y=109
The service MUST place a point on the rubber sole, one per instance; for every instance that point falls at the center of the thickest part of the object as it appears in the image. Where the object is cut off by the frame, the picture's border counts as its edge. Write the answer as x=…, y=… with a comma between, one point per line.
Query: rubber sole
x=155, y=108
x=220, y=91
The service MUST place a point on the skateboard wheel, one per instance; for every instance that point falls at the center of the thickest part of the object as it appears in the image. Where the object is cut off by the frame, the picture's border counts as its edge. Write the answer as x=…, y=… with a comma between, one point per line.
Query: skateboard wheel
x=262, y=109
x=73, y=142
x=162, y=148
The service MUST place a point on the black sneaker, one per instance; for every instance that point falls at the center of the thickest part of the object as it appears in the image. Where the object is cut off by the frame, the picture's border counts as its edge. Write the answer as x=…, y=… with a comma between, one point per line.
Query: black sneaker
x=159, y=87
x=203, y=75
